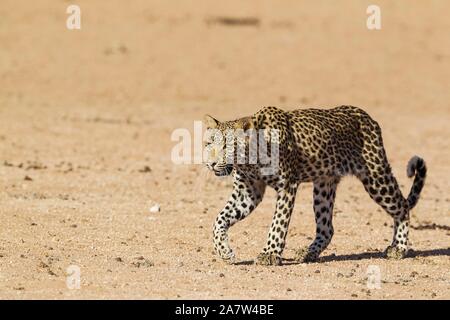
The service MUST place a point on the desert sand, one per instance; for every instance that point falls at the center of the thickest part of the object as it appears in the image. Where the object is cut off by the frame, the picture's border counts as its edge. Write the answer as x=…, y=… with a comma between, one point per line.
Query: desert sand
x=86, y=118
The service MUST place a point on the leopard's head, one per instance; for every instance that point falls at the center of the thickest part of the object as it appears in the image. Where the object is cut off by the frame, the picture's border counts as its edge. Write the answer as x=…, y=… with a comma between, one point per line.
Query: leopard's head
x=225, y=142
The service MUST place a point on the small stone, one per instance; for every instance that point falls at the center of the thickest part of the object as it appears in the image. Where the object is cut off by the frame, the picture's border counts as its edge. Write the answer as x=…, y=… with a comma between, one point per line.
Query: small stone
x=28, y=178
x=145, y=169
x=142, y=262
x=222, y=275
x=155, y=208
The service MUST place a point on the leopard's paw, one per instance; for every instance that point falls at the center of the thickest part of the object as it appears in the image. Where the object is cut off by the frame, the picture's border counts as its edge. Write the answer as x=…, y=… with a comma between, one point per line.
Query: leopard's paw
x=268, y=259
x=228, y=257
x=394, y=252
x=304, y=255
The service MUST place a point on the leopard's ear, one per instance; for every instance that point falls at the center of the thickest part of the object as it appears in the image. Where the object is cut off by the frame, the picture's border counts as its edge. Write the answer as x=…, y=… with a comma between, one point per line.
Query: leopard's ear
x=245, y=123
x=210, y=122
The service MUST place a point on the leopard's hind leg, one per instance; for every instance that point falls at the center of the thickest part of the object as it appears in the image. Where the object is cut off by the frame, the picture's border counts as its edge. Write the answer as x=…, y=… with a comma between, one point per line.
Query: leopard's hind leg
x=375, y=173
x=378, y=180
x=383, y=188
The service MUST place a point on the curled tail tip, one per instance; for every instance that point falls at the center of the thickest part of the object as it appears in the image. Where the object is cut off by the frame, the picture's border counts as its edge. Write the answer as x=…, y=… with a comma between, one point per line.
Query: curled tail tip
x=415, y=164
x=416, y=168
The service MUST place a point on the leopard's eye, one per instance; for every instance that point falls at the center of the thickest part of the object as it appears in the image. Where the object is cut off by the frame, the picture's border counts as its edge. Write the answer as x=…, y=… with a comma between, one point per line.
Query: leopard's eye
x=207, y=143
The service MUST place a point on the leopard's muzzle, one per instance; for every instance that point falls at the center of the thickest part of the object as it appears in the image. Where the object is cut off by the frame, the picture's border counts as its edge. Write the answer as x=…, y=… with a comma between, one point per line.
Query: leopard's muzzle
x=223, y=170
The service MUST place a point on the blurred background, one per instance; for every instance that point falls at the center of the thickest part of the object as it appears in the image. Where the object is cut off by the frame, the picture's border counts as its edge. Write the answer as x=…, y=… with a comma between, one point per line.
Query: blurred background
x=170, y=61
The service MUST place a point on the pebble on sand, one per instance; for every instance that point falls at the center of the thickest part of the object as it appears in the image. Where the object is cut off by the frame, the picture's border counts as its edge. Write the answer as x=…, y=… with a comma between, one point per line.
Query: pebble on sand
x=155, y=208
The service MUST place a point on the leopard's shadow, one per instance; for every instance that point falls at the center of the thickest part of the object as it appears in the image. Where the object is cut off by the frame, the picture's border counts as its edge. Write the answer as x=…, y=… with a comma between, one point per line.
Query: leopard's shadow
x=361, y=256
x=244, y=263
x=376, y=255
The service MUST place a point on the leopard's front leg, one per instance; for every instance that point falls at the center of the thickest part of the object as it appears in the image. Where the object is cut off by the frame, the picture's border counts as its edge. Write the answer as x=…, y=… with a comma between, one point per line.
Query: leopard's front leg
x=246, y=195
x=271, y=254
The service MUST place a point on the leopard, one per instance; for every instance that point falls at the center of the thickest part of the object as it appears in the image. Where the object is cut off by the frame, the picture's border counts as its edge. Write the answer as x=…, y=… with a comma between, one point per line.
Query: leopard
x=318, y=146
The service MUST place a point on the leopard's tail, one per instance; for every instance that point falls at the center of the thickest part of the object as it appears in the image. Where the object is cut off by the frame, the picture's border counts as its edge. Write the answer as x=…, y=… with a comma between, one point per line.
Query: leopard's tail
x=416, y=168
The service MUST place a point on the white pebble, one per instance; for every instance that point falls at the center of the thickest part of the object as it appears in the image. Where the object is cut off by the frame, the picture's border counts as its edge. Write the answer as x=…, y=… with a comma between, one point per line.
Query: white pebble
x=155, y=208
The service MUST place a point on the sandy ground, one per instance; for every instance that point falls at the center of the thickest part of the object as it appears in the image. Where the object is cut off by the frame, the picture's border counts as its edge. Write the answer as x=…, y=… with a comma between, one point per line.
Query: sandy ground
x=86, y=118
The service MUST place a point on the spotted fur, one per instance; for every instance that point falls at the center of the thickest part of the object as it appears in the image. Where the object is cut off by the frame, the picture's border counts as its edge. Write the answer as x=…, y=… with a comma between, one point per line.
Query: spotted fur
x=318, y=146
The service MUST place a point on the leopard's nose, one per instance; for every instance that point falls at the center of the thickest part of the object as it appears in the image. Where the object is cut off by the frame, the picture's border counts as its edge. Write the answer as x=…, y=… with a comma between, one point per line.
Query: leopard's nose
x=213, y=164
